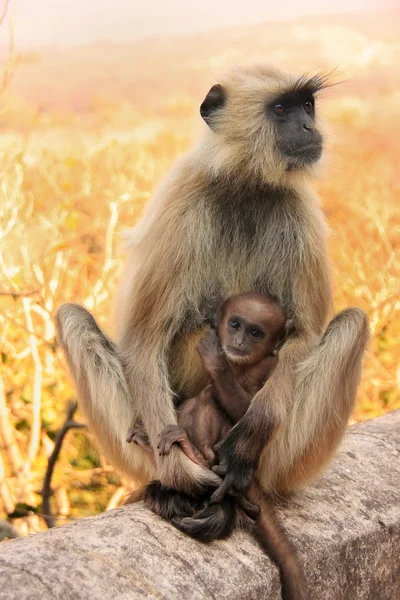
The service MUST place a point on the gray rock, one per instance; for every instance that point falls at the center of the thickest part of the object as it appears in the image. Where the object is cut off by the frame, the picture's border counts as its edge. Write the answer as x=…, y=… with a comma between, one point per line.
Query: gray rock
x=346, y=528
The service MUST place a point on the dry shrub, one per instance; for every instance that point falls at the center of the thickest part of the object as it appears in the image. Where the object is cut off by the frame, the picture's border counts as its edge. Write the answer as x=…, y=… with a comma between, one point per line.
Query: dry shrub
x=72, y=180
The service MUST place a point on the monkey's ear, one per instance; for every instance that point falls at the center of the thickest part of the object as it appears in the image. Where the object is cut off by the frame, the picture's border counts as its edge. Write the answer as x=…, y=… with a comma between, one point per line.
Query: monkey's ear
x=214, y=100
x=289, y=328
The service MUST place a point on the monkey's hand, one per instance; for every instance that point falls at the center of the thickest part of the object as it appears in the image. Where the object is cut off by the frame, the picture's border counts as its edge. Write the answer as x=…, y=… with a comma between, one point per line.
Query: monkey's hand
x=236, y=462
x=210, y=351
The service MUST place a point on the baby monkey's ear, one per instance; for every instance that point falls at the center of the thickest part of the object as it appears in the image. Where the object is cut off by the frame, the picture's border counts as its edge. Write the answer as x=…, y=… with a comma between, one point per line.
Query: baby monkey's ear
x=211, y=322
x=216, y=317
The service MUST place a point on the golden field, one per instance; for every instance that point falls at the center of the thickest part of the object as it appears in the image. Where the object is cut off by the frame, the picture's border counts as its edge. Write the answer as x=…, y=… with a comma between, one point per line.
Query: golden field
x=87, y=133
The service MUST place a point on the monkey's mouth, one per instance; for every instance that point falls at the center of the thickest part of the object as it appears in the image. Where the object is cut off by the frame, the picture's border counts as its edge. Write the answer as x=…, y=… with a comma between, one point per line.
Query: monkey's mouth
x=236, y=355
x=237, y=351
x=303, y=156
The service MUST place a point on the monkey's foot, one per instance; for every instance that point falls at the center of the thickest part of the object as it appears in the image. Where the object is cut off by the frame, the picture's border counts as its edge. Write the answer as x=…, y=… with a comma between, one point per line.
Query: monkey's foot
x=173, y=434
x=135, y=436
x=213, y=521
x=168, y=503
x=250, y=509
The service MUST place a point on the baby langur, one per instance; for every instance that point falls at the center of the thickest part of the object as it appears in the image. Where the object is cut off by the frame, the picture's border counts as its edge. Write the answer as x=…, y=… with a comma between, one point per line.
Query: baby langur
x=239, y=356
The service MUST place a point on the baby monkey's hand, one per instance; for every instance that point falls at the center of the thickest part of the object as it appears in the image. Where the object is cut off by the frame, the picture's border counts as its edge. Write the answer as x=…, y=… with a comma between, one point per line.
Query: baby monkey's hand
x=211, y=352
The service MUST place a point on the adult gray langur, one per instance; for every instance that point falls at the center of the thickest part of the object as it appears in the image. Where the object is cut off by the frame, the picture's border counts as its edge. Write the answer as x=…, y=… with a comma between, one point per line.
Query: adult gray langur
x=236, y=214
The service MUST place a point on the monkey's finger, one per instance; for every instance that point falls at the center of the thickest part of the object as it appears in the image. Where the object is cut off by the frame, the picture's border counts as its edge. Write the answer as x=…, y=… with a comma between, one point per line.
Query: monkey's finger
x=164, y=446
x=131, y=434
x=250, y=509
x=217, y=448
x=220, y=470
x=167, y=429
x=222, y=491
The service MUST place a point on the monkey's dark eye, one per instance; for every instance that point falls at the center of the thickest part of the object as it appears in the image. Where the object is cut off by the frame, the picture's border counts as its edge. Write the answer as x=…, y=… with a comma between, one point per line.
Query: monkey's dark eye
x=279, y=109
x=256, y=333
x=308, y=106
x=234, y=324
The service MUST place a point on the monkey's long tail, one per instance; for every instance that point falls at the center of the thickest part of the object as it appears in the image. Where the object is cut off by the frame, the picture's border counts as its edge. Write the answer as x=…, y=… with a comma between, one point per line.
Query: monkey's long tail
x=277, y=545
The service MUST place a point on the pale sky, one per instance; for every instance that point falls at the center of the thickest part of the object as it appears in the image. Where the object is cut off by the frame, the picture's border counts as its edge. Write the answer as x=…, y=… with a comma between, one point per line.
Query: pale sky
x=70, y=22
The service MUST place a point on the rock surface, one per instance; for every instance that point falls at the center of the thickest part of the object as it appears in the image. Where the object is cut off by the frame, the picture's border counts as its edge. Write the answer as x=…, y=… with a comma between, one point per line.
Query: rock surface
x=346, y=529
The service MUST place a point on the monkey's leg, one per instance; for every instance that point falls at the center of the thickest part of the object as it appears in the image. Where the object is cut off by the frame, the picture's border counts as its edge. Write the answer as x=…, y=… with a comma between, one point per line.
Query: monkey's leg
x=102, y=390
x=299, y=417
x=110, y=409
x=324, y=399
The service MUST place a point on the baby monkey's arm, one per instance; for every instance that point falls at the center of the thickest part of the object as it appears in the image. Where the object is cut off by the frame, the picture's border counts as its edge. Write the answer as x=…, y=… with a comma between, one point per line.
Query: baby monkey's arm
x=231, y=396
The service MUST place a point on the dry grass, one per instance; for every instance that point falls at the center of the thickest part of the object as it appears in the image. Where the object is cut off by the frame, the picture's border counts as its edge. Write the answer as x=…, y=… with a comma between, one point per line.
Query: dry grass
x=70, y=182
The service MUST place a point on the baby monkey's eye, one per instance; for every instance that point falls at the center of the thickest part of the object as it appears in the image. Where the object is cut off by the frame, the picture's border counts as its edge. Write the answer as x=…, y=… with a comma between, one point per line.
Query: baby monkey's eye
x=256, y=333
x=234, y=324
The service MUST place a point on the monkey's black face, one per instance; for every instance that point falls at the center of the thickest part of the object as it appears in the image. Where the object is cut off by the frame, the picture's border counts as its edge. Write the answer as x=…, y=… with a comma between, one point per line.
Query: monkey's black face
x=298, y=140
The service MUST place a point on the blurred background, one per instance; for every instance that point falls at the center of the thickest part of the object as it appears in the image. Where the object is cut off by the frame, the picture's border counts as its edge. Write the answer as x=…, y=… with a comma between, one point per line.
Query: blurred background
x=97, y=101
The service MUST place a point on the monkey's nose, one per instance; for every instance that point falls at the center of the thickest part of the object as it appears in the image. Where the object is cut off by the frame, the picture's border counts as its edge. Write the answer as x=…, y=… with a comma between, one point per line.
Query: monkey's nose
x=307, y=127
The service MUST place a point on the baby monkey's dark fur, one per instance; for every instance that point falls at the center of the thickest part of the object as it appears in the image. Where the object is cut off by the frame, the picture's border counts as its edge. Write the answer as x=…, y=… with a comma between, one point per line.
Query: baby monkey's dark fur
x=239, y=355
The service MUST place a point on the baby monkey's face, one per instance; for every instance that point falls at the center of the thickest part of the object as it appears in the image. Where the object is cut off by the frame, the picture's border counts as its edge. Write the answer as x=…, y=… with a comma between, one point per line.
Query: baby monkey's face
x=250, y=328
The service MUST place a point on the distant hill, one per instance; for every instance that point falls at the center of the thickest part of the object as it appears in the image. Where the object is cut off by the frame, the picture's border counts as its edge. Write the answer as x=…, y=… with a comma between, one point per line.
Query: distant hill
x=366, y=47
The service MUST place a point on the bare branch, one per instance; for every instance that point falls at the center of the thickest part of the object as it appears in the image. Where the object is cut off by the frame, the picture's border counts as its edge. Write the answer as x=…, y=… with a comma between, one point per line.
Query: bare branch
x=15, y=295
x=21, y=326
x=69, y=423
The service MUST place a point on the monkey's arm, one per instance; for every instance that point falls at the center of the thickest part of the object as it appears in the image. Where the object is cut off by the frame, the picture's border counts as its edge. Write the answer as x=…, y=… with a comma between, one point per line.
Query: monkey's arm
x=241, y=449
x=235, y=395
x=147, y=376
x=230, y=395
x=153, y=314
